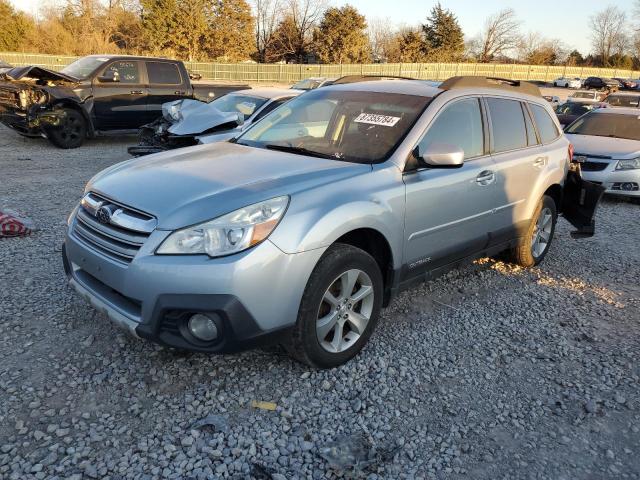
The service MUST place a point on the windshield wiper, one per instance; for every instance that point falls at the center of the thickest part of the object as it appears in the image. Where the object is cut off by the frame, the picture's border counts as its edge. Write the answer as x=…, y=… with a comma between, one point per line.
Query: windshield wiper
x=301, y=151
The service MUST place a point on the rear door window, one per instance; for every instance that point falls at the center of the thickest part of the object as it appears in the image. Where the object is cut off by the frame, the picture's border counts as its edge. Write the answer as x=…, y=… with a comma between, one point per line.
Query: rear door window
x=508, y=124
x=546, y=126
x=163, y=73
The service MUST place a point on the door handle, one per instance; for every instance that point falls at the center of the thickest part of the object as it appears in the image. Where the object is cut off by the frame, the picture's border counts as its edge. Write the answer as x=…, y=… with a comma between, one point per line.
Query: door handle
x=136, y=92
x=179, y=92
x=540, y=162
x=486, y=177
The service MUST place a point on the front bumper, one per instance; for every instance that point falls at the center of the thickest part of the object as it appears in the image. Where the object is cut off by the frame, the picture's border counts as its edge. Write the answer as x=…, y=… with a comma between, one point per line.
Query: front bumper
x=255, y=294
x=614, y=180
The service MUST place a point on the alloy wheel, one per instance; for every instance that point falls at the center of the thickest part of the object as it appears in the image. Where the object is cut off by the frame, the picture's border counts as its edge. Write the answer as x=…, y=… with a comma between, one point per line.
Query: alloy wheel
x=542, y=232
x=345, y=311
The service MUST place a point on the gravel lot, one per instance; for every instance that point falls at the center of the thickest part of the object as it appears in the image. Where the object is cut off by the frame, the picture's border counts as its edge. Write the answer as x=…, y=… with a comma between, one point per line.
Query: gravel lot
x=491, y=372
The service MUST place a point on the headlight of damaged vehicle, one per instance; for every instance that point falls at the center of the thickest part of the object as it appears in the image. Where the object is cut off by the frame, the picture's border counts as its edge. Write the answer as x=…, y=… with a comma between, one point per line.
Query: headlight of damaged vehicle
x=231, y=233
x=31, y=97
x=628, y=164
x=172, y=111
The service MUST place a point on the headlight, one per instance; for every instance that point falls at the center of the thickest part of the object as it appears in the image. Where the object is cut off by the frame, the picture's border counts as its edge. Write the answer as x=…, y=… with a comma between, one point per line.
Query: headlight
x=231, y=233
x=172, y=111
x=628, y=164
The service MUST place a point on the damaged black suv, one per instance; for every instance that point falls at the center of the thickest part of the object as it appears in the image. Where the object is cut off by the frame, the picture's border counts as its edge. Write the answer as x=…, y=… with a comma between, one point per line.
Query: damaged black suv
x=94, y=95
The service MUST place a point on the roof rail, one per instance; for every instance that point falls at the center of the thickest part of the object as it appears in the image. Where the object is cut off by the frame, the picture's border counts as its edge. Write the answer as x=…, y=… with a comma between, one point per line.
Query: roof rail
x=367, y=78
x=491, y=82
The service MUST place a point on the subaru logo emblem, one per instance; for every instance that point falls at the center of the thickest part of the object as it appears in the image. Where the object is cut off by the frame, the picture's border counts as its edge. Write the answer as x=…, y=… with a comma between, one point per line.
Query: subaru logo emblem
x=103, y=215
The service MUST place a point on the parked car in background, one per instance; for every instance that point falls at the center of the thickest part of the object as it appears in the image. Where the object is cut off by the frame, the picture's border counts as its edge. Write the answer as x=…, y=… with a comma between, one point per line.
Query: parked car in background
x=553, y=100
x=190, y=122
x=607, y=144
x=568, y=112
x=568, y=82
x=304, y=227
x=313, y=83
x=586, y=97
x=94, y=95
x=623, y=99
x=626, y=83
x=4, y=66
x=601, y=83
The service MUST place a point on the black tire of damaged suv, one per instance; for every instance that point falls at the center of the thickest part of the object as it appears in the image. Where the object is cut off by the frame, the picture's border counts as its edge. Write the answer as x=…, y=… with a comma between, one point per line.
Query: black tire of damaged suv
x=523, y=254
x=72, y=130
x=303, y=344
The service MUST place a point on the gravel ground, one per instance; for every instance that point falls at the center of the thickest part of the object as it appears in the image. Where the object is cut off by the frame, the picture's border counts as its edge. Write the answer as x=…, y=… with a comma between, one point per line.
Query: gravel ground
x=491, y=372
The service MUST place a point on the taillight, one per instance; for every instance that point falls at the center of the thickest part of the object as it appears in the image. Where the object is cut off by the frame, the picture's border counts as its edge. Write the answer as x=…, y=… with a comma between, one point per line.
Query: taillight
x=570, y=152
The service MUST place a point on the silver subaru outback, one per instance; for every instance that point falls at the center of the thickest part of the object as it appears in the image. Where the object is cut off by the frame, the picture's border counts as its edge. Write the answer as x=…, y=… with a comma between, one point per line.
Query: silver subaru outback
x=301, y=229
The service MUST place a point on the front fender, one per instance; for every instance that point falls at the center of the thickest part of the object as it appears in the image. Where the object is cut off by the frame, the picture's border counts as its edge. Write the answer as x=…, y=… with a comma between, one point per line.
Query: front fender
x=318, y=218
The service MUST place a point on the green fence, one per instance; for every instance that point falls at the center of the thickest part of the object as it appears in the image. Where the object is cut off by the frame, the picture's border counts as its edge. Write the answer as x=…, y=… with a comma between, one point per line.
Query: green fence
x=288, y=73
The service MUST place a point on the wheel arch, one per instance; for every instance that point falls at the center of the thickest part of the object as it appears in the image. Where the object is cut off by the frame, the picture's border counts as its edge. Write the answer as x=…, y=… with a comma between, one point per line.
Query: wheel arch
x=375, y=244
x=68, y=103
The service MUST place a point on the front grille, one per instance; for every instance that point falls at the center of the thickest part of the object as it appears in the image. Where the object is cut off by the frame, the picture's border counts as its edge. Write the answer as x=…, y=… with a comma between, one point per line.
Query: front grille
x=119, y=235
x=593, y=166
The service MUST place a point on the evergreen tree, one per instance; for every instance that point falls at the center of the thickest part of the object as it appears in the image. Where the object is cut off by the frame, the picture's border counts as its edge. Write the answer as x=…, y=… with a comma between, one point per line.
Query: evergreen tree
x=341, y=36
x=444, y=40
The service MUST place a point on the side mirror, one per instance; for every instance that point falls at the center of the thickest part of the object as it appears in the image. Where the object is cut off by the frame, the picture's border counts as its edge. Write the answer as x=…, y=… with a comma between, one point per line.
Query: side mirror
x=442, y=155
x=110, y=76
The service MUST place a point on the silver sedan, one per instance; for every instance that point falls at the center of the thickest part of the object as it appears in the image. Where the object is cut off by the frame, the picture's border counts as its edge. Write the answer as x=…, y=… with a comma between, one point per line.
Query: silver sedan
x=607, y=143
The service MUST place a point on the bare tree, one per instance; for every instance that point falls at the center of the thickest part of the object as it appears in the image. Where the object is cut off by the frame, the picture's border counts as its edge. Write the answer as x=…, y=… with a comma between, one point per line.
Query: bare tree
x=500, y=35
x=383, y=38
x=306, y=15
x=608, y=33
x=535, y=49
x=268, y=14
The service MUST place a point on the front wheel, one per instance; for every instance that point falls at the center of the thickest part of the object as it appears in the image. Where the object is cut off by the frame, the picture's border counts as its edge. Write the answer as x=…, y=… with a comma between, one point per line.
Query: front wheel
x=71, y=131
x=339, y=308
x=534, y=245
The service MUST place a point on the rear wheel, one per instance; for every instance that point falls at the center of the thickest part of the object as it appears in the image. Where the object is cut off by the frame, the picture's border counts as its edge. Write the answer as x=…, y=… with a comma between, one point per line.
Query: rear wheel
x=339, y=308
x=533, y=247
x=72, y=129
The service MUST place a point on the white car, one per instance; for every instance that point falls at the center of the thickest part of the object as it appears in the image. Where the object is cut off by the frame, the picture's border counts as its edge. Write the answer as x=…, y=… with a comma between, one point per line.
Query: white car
x=606, y=143
x=567, y=82
x=586, y=96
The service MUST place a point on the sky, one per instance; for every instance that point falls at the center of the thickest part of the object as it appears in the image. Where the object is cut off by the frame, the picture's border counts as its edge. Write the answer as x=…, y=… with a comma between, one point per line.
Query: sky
x=565, y=20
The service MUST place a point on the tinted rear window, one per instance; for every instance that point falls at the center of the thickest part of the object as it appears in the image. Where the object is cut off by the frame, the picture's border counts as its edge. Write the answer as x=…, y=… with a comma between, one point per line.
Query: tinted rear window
x=507, y=119
x=163, y=73
x=546, y=126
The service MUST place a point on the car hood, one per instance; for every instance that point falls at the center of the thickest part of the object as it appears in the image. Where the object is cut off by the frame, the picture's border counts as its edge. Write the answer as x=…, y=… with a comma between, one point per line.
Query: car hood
x=38, y=73
x=199, y=117
x=604, y=146
x=190, y=185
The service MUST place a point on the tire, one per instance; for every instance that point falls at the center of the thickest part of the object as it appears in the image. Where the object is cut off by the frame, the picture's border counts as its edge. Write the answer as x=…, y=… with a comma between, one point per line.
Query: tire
x=327, y=345
x=555, y=84
x=531, y=248
x=71, y=132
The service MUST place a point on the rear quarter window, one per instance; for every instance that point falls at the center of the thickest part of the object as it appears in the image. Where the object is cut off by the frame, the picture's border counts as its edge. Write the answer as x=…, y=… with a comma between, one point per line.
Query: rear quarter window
x=546, y=126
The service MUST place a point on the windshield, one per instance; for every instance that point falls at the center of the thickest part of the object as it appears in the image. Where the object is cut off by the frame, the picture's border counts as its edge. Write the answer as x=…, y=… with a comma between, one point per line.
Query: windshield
x=623, y=100
x=583, y=95
x=83, y=67
x=308, y=84
x=362, y=127
x=607, y=125
x=573, y=109
x=245, y=104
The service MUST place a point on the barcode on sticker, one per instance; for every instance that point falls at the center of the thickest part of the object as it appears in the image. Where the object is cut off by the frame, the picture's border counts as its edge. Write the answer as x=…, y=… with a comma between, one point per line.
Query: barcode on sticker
x=373, y=119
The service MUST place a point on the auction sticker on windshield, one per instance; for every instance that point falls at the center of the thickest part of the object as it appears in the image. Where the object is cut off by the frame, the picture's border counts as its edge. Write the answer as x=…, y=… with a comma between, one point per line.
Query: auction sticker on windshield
x=374, y=119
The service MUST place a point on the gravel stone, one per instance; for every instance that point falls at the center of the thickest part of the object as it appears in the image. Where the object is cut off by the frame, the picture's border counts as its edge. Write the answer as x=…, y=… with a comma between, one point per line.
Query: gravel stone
x=489, y=372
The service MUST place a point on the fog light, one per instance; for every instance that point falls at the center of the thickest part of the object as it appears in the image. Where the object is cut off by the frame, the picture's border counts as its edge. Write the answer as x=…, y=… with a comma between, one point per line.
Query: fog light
x=203, y=328
x=628, y=186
